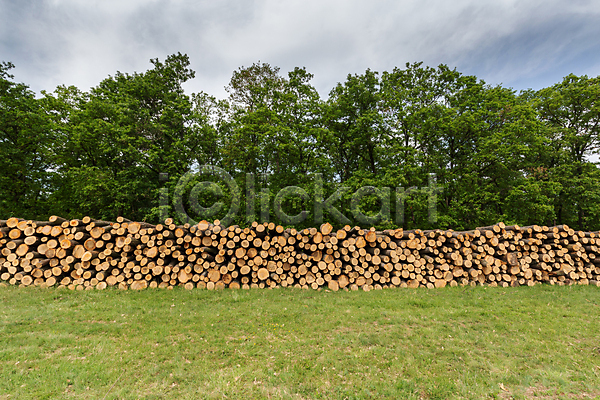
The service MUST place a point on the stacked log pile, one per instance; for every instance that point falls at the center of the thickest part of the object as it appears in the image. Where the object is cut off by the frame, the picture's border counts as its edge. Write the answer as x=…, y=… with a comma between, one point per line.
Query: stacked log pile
x=87, y=254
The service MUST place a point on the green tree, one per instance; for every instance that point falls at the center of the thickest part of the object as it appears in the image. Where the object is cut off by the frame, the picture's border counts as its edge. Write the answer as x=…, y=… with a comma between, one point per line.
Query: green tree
x=124, y=133
x=271, y=127
x=355, y=127
x=250, y=118
x=570, y=111
x=479, y=141
x=25, y=181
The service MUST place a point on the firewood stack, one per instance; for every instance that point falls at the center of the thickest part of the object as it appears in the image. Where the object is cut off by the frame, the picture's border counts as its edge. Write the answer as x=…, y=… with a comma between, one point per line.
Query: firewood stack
x=85, y=254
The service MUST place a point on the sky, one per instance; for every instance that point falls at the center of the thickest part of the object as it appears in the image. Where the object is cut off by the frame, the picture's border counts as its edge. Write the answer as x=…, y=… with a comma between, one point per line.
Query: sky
x=520, y=44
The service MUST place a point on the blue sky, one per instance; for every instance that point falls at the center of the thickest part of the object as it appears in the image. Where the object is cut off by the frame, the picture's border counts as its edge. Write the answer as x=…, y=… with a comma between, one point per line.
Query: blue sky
x=519, y=44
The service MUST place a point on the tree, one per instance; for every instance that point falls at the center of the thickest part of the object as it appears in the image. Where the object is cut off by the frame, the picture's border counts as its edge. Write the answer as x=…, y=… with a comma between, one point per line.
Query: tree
x=250, y=118
x=570, y=111
x=24, y=141
x=271, y=127
x=355, y=125
x=123, y=134
x=496, y=155
x=478, y=141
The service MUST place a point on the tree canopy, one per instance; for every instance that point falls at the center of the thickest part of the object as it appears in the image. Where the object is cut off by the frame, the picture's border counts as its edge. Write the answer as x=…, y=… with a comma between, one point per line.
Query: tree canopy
x=123, y=148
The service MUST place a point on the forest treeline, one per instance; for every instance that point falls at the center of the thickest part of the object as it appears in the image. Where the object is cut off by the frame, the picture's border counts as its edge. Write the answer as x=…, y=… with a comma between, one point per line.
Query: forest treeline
x=497, y=155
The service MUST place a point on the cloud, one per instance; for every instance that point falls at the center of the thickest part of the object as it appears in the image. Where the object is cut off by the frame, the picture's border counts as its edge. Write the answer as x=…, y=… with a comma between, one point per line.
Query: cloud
x=538, y=51
x=517, y=43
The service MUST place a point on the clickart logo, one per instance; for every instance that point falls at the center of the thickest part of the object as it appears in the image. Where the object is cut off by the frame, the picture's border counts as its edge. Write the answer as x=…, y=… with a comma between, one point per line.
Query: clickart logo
x=184, y=200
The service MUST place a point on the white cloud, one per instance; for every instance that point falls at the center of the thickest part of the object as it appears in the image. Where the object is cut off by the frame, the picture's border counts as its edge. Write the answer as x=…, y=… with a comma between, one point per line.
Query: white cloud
x=518, y=43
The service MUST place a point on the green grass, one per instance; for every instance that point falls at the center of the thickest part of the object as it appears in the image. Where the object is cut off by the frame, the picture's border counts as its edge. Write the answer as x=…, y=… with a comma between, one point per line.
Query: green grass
x=541, y=342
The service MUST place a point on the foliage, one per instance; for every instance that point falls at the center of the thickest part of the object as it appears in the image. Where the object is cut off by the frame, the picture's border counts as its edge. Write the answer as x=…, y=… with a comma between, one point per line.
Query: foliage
x=26, y=168
x=137, y=138
x=119, y=137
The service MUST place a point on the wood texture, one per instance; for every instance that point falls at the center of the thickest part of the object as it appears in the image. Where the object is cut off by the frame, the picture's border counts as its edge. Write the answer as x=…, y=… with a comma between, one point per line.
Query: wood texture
x=88, y=254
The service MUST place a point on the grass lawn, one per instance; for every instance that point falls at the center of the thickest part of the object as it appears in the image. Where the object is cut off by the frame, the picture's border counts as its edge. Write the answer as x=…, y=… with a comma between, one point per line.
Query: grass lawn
x=539, y=342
